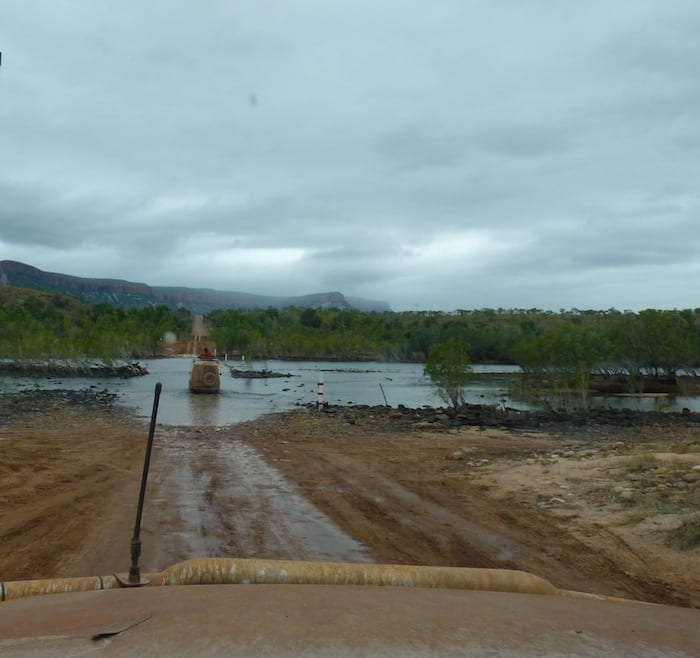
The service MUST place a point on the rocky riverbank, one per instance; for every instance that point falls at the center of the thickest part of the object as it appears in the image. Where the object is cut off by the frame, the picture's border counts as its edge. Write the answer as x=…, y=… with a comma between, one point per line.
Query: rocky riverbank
x=483, y=416
x=27, y=368
x=23, y=404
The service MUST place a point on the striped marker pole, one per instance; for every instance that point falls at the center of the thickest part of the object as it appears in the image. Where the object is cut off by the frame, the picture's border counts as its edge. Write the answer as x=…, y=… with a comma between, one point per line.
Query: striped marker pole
x=319, y=393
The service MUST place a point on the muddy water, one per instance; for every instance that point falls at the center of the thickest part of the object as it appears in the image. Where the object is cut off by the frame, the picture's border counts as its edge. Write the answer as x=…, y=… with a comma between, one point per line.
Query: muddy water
x=345, y=383
x=215, y=497
x=246, y=399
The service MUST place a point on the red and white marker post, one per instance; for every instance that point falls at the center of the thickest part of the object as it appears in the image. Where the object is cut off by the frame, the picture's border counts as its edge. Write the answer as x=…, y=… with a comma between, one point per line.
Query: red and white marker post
x=319, y=393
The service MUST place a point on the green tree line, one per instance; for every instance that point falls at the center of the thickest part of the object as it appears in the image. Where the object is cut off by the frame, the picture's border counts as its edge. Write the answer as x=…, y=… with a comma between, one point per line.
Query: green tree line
x=573, y=343
x=41, y=326
x=659, y=342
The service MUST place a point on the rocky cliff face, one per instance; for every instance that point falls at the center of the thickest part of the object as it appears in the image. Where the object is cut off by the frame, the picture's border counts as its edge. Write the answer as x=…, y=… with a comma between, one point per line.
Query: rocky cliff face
x=114, y=291
x=198, y=300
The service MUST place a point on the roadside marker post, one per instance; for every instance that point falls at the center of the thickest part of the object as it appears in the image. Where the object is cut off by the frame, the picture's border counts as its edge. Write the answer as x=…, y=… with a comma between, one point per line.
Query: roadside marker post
x=319, y=393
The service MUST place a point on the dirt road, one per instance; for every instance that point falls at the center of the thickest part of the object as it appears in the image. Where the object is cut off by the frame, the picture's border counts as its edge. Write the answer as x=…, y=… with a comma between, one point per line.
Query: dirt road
x=493, y=498
x=589, y=509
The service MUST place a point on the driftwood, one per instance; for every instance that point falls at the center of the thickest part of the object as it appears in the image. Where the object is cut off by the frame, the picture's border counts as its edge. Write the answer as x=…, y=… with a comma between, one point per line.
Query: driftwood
x=620, y=384
x=237, y=373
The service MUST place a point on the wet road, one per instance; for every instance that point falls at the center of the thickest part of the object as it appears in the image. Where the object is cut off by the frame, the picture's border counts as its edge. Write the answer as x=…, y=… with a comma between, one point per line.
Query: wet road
x=211, y=496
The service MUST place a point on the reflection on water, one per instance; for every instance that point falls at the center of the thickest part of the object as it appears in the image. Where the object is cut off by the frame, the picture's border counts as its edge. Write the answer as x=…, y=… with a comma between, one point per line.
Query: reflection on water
x=204, y=409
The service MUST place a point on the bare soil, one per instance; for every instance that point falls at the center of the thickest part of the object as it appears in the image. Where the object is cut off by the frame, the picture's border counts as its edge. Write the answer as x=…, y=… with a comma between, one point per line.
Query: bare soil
x=586, y=506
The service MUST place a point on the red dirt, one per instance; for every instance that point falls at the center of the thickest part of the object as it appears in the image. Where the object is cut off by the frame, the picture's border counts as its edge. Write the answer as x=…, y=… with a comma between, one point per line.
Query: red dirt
x=69, y=482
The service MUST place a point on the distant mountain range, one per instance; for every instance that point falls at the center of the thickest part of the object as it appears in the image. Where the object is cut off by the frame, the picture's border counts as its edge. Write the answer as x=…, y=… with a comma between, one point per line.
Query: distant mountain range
x=198, y=300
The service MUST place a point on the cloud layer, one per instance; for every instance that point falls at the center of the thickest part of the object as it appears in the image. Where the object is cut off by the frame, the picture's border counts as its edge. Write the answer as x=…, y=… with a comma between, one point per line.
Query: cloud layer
x=434, y=155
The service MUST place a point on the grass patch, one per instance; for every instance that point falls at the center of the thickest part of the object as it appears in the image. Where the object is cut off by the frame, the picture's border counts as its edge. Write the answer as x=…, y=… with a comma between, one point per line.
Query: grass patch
x=684, y=447
x=634, y=518
x=642, y=463
x=686, y=536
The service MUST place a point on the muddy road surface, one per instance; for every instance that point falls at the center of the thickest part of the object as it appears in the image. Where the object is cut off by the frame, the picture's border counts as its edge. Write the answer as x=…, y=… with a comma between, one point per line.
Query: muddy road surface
x=591, y=508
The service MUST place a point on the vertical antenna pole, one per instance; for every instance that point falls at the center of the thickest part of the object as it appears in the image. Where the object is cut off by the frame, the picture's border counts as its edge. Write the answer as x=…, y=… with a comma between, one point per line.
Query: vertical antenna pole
x=134, y=579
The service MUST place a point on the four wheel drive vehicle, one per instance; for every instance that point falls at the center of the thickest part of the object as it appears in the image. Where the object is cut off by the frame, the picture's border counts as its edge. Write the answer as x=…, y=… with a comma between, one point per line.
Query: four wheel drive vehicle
x=205, y=376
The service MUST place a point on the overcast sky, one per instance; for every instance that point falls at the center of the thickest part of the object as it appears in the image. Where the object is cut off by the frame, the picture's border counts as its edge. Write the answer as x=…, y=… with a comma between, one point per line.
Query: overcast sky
x=434, y=154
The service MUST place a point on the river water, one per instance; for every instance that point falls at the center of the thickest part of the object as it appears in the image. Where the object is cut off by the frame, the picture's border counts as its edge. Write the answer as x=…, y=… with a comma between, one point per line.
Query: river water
x=371, y=383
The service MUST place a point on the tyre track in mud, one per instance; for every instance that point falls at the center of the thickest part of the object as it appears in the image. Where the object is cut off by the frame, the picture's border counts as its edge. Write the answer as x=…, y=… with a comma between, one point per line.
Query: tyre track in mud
x=412, y=522
x=400, y=524
x=395, y=493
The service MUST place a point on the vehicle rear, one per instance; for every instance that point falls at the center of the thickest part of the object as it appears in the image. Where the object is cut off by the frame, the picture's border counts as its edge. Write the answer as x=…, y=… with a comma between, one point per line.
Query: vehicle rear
x=205, y=376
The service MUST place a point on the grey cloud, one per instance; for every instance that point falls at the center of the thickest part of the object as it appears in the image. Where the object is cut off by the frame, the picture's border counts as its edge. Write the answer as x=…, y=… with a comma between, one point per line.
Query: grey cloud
x=355, y=140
